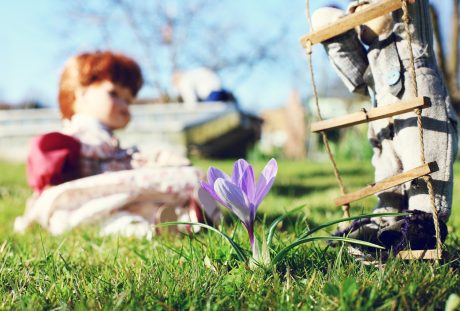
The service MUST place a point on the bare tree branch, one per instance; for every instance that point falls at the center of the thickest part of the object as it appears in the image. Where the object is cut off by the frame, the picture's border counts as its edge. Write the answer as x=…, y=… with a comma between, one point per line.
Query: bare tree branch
x=438, y=47
x=453, y=55
x=452, y=67
x=448, y=58
x=172, y=35
x=143, y=40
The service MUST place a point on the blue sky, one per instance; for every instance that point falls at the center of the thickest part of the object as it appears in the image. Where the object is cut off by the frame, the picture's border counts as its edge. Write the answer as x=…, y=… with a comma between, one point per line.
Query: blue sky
x=33, y=51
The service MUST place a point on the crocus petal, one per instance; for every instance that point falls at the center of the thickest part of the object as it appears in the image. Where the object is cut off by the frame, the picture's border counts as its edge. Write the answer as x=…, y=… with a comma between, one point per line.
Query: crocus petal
x=239, y=168
x=263, y=186
x=270, y=170
x=209, y=189
x=248, y=184
x=234, y=199
x=266, y=180
x=214, y=174
x=252, y=212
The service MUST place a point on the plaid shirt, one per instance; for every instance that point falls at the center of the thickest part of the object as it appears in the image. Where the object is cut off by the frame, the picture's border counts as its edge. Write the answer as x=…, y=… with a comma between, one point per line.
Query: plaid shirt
x=100, y=149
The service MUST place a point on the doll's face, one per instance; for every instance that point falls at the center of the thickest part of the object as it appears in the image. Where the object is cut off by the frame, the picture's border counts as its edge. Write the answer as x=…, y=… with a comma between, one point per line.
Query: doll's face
x=105, y=101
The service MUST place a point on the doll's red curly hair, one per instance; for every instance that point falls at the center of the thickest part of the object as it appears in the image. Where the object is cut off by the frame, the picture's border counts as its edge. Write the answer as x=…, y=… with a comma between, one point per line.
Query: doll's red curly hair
x=94, y=67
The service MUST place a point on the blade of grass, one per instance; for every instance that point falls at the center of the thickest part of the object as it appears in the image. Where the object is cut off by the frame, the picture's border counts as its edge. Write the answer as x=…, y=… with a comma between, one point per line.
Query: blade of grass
x=235, y=246
x=333, y=222
x=272, y=228
x=281, y=254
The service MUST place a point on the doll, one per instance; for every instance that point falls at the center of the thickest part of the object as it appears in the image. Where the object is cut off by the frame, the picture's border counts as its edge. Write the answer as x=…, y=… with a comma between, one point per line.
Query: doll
x=82, y=175
x=374, y=60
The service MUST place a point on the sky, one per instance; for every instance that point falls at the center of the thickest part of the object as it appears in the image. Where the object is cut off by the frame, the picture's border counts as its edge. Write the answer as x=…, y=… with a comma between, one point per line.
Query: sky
x=33, y=51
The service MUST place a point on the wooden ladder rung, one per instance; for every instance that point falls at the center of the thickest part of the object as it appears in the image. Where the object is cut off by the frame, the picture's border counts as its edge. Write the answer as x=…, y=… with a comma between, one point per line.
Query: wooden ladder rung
x=350, y=21
x=372, y=115
x=429, y=254
x=387, y=183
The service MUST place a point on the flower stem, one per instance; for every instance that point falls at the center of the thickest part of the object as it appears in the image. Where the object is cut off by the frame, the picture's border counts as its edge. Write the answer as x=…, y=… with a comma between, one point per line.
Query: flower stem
x=254, y=243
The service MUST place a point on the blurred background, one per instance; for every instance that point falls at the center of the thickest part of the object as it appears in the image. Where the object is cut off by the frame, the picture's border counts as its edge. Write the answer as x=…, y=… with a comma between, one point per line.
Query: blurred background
x=253, y=47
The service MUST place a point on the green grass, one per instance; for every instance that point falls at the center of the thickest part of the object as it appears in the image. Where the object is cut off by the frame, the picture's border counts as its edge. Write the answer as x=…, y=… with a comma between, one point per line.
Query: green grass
x=80, y=270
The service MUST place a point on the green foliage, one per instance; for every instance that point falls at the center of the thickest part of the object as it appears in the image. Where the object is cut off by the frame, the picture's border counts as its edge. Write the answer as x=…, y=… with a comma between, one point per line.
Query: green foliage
x=350, y=144
x=80, y=270
x=302, y=239
x=256, y=154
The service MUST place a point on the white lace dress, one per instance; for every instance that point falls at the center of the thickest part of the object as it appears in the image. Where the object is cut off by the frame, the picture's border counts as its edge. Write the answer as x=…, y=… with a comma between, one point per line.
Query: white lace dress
x=122, y=190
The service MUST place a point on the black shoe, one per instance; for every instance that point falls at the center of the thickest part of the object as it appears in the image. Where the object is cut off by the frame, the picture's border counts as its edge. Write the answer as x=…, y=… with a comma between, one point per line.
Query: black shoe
x=363, y=230
x=367, y=256
x=367, y=232
x=415, y=231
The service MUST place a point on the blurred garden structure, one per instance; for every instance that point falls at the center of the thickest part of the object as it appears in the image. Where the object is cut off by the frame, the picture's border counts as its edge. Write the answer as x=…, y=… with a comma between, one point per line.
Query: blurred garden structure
x=215, y=130
x=286, y=130
x=211, y=130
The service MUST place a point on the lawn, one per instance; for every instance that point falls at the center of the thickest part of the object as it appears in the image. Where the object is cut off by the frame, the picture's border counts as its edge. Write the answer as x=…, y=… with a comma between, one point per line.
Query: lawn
x=80, y=270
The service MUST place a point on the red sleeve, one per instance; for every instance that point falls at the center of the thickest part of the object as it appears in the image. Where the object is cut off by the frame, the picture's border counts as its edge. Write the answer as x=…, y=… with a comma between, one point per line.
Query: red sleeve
x=53, y=159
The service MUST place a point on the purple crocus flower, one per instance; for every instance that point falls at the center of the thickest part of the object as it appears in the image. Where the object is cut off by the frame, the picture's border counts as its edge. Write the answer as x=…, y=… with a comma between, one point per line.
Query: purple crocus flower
x=240, y=193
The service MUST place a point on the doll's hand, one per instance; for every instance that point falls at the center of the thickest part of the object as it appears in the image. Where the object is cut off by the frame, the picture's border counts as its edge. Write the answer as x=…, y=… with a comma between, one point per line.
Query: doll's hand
x=372, y=30
x=352, y=7
x=355, y=4
x=139, y=160
x=170, y=158
x=158, y=158
x=324, y=16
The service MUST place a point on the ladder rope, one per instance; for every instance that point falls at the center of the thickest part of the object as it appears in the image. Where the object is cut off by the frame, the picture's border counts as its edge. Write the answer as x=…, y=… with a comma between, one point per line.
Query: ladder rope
x=418, y=111
x=338, y=177
x=307, y=13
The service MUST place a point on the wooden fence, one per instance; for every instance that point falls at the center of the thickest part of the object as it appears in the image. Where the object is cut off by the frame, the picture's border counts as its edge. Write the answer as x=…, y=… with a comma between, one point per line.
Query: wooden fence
x=153, y=126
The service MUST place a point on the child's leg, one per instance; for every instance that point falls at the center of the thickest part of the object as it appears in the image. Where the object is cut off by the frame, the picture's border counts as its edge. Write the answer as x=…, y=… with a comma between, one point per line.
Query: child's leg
x=439, y=121
x=439, y=124
x=386, y=164
x=349, y=58
x=440, y=142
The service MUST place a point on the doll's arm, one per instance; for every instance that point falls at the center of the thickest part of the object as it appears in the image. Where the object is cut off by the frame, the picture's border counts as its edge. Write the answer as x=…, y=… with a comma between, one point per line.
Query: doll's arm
x=348, y=57
x=53, y=159
x=346, y=53
x=158, y=158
